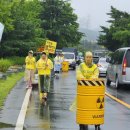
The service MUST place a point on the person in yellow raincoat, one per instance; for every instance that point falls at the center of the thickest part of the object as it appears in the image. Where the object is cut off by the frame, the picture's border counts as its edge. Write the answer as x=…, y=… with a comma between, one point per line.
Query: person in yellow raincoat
x=30, y=69
x=44, y=66
x=86, y=70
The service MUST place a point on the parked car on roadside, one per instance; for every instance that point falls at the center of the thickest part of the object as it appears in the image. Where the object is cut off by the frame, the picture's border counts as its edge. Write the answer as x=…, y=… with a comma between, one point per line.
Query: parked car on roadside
x=119, y=67
x=102, y=65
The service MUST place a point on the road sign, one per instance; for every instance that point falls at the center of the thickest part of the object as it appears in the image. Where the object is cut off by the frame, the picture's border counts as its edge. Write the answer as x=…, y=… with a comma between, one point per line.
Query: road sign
x=1, y=30
x=50, y=47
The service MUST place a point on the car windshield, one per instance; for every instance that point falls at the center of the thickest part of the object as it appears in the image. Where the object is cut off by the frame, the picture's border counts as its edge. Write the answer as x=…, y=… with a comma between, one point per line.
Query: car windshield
x=69, y=56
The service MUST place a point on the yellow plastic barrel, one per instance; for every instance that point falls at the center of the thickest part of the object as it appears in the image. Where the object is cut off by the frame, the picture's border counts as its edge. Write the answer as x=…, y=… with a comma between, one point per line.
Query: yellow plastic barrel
x=90, y=102
x=65, y=66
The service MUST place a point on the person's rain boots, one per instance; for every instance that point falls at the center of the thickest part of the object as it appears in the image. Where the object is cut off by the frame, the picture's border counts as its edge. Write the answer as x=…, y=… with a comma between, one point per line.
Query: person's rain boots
x=83, y=127
x=97, y=127
x=45, y=96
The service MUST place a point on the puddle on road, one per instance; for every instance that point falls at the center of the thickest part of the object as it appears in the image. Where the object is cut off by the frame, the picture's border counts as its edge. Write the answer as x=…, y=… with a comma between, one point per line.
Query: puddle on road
x=4, y=125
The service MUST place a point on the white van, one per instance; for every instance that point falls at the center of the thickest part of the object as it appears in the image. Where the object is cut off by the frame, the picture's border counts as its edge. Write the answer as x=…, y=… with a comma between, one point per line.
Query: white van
x=119, y=67
x=70, y=57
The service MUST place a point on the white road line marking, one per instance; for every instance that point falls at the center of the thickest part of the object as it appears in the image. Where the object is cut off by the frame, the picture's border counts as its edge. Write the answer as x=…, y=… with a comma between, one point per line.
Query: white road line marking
x=22, y=114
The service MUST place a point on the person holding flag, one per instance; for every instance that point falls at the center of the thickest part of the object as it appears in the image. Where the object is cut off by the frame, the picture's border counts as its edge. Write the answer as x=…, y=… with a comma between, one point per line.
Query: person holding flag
x=44, y=66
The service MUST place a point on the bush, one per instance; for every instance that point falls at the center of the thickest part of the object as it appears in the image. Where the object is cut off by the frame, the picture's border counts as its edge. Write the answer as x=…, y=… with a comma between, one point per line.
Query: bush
x=5, y=64
x=17, y=60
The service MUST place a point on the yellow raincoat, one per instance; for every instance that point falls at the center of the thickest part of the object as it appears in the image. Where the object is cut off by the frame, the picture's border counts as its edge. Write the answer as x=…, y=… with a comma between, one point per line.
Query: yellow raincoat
x=42, y=68
x=30, y=68
x=30, y=63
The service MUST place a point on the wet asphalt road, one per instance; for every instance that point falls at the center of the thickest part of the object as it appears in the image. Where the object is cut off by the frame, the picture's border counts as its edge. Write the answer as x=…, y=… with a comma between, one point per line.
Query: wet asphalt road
x=122, y=93
x=56, y=115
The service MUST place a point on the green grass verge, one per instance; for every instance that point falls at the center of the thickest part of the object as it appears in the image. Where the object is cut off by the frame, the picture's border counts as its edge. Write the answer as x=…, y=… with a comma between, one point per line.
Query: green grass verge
x=10, y=61
x=7, y=85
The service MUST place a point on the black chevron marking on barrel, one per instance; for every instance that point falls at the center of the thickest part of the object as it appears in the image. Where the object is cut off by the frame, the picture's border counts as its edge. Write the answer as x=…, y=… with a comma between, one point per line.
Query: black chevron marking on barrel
x=103, y=82
x=91, y=83
x=85, y=83
x=98, y=83
x=79, y=83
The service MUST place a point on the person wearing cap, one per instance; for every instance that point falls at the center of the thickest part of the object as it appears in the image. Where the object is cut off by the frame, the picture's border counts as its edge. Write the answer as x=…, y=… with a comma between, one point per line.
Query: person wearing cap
x=30, y=68
x=44, y=66
x=87, y=69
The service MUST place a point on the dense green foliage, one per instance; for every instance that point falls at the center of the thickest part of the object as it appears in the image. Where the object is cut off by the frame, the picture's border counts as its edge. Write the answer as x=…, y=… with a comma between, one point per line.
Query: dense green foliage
x=15, y=60
x=26, y=33
x=5, y=15
x=28, y=23
x=59, y=23
x=118, y=34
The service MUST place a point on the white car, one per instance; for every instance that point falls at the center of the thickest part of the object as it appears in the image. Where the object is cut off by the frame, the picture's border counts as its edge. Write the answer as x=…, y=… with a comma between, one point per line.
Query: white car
x=102, y=65
x=119, y=68
x=70, y=57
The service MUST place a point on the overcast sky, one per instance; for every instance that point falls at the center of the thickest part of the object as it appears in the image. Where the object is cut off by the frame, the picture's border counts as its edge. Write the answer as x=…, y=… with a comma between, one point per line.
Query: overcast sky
x=92, y=13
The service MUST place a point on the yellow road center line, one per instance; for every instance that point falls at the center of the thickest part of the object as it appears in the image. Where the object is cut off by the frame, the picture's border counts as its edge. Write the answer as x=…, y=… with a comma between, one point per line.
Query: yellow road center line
x=117, y=100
